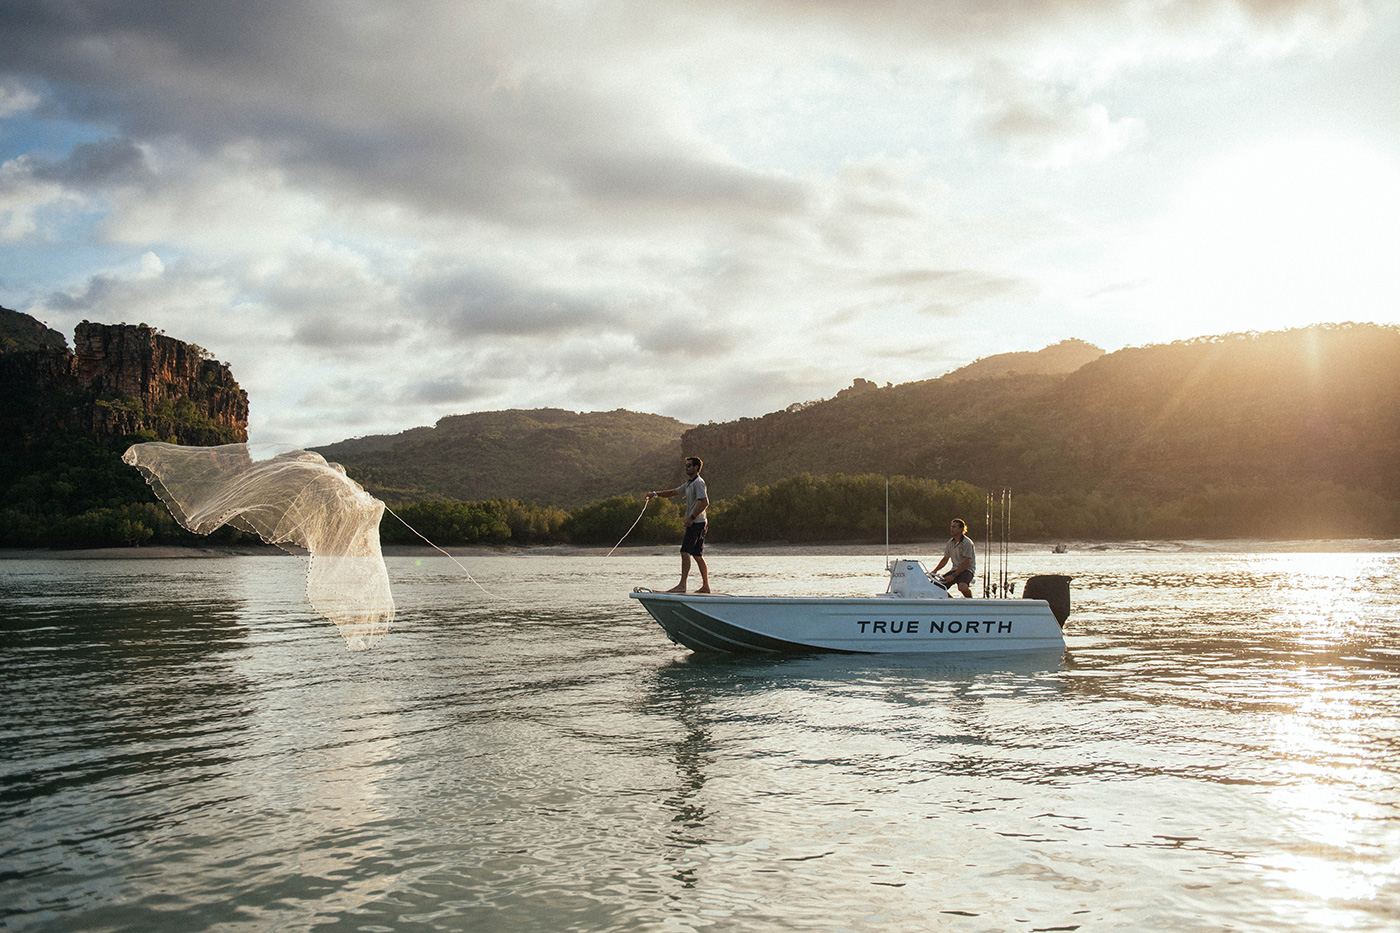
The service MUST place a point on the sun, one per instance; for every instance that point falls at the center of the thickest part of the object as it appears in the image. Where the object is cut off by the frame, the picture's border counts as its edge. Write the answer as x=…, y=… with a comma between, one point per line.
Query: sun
x=1280, y=234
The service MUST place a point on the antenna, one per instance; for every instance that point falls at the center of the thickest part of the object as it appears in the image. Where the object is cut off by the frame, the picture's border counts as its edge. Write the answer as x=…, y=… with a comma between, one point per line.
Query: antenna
x=887, y=523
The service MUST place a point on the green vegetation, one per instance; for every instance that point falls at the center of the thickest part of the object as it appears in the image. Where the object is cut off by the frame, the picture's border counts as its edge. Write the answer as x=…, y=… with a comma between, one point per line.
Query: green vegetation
x=1064, y=357
x=807, y=508
x=607, y=521
x=1282, y=435
x=183, y=418
x=1297, y=511
x=497, y=521
x=67, y=491
x=837, y=508
x=72, y=493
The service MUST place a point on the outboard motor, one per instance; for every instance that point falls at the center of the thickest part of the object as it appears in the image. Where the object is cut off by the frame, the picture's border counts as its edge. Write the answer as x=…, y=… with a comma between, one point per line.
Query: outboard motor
x=909, y=580
x=1054, y=589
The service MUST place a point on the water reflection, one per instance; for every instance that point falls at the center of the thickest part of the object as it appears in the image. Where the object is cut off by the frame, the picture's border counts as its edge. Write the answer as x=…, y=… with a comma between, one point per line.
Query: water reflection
x=1295, y=652
x=692, y=754
x=1219, y=748
x=123, y=714
x=876, y=720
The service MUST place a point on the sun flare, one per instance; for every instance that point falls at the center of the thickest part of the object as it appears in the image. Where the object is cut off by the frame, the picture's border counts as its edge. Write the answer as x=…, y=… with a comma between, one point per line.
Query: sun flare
x=1280, y=235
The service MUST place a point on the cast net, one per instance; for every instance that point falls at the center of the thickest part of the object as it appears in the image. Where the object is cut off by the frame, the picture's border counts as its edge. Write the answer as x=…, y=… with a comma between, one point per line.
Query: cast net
x=295, y=500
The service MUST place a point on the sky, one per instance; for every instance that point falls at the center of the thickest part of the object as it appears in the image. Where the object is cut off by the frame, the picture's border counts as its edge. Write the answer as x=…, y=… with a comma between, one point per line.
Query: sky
x=383, y=214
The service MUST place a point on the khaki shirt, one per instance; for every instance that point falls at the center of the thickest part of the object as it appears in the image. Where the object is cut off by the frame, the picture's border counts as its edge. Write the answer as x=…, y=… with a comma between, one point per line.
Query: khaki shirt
x=957, y=550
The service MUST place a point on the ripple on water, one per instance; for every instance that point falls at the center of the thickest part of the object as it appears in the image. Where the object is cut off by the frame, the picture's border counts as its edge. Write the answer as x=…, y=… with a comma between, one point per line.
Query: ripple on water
x=188, y=748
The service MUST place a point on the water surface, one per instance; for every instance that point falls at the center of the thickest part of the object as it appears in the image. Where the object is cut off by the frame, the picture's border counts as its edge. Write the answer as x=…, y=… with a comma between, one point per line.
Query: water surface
x=186, y=747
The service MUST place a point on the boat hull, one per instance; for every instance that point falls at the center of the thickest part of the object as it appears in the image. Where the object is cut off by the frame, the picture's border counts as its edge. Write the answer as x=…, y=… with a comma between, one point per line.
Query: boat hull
x=853, y=625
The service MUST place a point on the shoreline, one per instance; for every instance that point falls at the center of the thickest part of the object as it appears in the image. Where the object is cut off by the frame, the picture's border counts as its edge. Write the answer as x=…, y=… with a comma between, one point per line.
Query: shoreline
x=776, y=548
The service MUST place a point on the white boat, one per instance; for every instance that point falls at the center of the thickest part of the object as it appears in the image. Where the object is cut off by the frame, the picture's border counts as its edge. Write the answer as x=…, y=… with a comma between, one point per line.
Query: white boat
x=914, y=615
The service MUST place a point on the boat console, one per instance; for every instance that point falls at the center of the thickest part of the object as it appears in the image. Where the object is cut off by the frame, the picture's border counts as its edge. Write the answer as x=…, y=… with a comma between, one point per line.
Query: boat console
x=909, y=580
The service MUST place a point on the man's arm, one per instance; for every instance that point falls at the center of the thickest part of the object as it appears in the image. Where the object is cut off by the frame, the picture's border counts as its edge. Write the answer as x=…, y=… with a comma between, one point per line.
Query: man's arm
x=700, y=505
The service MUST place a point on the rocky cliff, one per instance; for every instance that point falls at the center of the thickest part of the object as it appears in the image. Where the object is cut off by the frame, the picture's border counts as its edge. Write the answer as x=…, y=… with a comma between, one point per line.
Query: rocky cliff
x=120, y=380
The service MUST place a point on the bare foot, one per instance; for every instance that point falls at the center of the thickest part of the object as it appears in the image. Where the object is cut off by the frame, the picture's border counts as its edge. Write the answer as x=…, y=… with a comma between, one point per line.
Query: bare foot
x=703, y=589
x=678, y=588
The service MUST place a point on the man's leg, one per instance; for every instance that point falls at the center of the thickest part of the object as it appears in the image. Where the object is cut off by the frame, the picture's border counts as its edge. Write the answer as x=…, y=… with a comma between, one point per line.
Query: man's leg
x=685, y=574
x=704, y=574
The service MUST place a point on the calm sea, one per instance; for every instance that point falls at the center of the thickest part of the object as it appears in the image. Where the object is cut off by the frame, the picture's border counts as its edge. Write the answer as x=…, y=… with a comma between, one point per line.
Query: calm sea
x=186, y=747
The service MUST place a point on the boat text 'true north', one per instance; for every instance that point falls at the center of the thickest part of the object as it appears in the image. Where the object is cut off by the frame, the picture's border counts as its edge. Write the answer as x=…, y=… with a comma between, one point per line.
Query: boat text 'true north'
x=912, y=627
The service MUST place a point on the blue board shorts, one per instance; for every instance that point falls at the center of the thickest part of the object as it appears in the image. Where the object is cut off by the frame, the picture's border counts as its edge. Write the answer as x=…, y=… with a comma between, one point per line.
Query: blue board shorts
x=967, y=576
x=694, y=542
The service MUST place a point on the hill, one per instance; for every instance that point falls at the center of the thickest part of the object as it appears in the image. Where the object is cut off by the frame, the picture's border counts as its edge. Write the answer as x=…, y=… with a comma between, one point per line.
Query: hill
x=20, y=333
x=1317, y=404
x=1064, y=357
x=567, y=459
x=546, y=455
x=1278, y=416
x=1286, y=434
x=1291, y=433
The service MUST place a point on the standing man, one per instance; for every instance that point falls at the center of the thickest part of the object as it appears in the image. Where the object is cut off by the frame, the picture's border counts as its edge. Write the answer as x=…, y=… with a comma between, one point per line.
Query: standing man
x=961, y=557
x=696, y=500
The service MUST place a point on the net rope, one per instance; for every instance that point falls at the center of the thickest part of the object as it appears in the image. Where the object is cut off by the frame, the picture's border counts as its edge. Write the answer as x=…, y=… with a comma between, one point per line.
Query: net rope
x=444, y=553
x=645, y=503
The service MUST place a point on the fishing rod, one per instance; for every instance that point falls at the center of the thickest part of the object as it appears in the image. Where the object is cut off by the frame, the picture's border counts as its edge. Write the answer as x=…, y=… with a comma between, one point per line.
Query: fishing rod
x=1004, y=587
x=987, y=537
x=1005, y=537
x=1000, y=537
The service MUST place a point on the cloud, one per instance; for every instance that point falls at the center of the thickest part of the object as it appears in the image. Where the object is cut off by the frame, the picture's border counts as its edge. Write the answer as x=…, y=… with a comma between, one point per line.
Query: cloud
x=326, y=331
x=691, y=338
x=37, y=196
x=956, y=23
x=1048, y=129
x=384, y=214
x=95, y=165
x=481, y=303
x=226, y=205
x=1031, y=73
x=28, y=206
x=444, y=107
x=151, y=292
x=446, y=389
x=954, y=289
x=16, y=98
x=525, y=115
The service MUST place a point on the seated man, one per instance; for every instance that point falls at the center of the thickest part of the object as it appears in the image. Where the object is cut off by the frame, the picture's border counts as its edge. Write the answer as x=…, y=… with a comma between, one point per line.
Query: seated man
x=962, y=559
